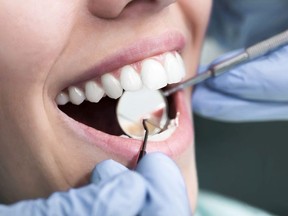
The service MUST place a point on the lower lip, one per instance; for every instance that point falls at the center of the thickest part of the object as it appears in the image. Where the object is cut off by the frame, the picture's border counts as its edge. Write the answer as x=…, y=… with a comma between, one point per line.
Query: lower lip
x=127, y=149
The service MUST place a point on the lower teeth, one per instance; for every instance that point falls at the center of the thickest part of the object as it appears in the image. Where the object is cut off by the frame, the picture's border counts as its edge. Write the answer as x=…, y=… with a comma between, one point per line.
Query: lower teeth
x=163, y=135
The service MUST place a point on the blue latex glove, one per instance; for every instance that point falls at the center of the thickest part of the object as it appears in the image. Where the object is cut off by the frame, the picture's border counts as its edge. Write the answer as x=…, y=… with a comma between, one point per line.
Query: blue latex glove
x=255, y=91
x=155, y=188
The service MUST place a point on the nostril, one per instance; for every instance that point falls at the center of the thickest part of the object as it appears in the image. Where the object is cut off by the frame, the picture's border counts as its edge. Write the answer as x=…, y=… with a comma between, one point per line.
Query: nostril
x=144, y=7
x=111, y=9
x=107, y=9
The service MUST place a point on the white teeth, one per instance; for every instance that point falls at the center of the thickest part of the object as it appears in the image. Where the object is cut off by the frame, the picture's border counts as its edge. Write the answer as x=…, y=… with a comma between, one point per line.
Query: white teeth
x=163, y=135
x=182, y=69
x=76, y=95
x=173, y=124
x=111, y=86
x=62, y=98
x=172, y=68
x=130, y=79
x=93, y=92
x=153, y=74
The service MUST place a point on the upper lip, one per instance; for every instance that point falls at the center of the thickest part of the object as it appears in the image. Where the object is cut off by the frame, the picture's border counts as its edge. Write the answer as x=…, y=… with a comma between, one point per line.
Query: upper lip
x=141, y=49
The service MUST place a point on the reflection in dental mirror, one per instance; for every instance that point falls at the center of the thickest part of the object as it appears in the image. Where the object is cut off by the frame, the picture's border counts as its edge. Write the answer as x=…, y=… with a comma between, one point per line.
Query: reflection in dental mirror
x=134, y=107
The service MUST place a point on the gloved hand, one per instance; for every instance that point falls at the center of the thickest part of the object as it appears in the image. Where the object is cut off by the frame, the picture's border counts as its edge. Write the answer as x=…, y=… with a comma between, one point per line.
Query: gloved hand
x=255, y=91
x=155, y=188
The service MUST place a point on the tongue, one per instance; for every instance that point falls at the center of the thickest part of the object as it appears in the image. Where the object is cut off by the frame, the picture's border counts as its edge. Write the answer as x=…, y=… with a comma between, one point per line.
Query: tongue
x=101, y=116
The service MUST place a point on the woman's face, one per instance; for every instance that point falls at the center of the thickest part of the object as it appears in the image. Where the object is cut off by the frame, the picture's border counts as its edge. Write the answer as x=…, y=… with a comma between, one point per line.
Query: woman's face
x=51, y=49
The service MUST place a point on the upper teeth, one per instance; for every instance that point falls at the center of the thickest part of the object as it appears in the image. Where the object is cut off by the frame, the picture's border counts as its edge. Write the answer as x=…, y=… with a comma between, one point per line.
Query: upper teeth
x=153, y=74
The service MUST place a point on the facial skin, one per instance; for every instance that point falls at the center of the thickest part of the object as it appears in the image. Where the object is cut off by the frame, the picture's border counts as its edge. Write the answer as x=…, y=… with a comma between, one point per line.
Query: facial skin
x=46, y=45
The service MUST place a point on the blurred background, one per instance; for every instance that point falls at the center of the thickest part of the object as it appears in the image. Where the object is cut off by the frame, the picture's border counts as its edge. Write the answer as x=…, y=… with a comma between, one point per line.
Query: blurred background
x=246, y=161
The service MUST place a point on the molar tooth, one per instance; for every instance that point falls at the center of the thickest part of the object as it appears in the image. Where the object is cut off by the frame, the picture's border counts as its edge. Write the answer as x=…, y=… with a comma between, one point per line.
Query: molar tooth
x=153, y=74
x=111, y=86
x=62, y=98
x=93, y=92
x=182, y=69
x=130, y=79
x=76, y=95
x=173, y=69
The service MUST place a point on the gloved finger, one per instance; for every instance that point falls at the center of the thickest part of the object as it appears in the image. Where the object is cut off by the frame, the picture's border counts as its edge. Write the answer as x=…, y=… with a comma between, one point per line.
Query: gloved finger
x=105, y=170
x=224, y=107
x=123, y=195
x=25, y=208
x=264, y=79
x=166, y=189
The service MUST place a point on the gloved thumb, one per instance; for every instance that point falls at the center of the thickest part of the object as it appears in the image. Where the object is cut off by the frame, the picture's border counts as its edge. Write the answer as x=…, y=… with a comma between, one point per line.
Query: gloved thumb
x=106, y=170
x=166, y=188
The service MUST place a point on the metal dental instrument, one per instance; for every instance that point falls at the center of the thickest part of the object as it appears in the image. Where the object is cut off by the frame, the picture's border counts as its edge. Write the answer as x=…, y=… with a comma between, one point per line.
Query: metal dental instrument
x=142, y=151
x=249, y=53
x=134, y=107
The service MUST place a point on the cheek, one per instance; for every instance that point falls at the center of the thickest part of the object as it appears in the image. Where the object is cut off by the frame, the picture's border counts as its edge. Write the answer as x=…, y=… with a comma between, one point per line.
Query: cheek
x=196, y=15
x=196, y=11
x=32, y=35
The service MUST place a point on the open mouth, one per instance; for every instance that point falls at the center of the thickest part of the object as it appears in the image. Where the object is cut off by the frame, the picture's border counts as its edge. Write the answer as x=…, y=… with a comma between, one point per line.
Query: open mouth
x=93, y=103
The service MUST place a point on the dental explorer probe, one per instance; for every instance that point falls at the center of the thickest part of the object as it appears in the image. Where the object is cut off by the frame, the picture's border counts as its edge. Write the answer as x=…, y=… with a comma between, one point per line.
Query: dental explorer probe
x=142, y=151
x=254, y=51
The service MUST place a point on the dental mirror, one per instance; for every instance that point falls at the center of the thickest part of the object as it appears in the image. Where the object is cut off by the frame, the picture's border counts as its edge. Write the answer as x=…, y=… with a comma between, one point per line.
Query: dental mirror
x=145, y=104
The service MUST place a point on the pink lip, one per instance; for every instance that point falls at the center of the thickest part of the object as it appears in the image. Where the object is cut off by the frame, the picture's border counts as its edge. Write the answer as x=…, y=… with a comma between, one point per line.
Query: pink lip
x=143, y=48
x=128, y=149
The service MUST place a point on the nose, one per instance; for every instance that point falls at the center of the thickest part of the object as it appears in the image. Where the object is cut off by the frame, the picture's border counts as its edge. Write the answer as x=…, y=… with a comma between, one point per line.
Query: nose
x=110, y=9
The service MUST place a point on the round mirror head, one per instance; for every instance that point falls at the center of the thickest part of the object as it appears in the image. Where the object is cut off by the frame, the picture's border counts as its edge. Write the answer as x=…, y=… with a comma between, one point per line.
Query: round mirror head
x=134, y=107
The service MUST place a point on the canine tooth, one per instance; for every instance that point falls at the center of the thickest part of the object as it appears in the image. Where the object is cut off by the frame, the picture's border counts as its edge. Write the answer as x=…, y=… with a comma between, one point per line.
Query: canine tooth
x=93, y=92
x=130, y=79
x=62, y=98
x=173, y=69
x=182, y=69
x=111, y=86
x=153, y=74
x=76, y=95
